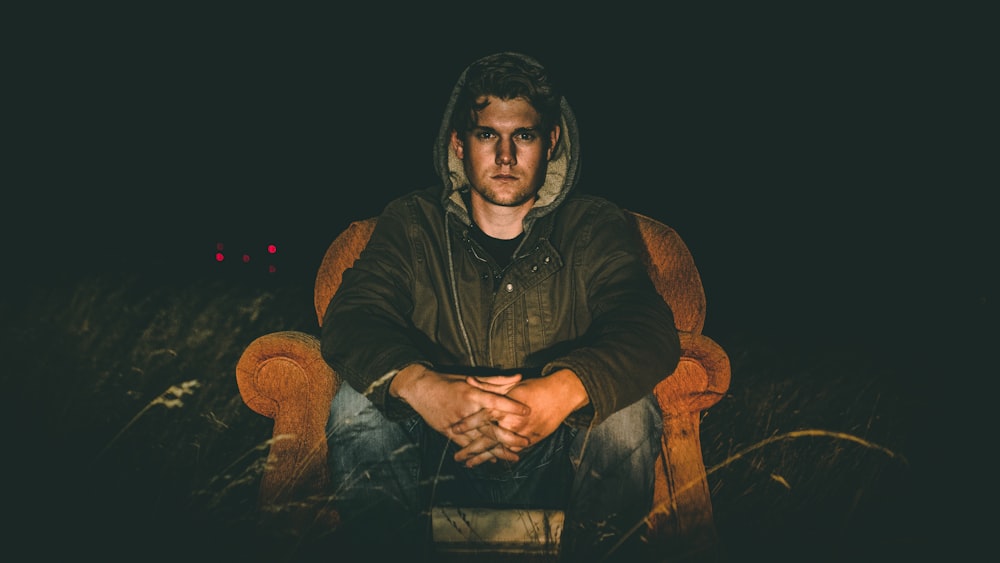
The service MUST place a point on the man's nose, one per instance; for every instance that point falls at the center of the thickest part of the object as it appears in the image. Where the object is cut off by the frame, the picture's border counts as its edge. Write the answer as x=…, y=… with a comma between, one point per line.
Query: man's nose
x=505, y=154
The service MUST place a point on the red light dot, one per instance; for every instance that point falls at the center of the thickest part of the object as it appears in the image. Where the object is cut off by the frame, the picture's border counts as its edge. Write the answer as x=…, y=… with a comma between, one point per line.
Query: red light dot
x=219, y=257
x=246, y=258
x=272, y=269
x=220, y=246
x=271, y=249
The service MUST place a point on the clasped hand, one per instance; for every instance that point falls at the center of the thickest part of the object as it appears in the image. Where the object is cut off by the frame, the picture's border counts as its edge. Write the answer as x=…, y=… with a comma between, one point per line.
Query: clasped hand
x=489, y=418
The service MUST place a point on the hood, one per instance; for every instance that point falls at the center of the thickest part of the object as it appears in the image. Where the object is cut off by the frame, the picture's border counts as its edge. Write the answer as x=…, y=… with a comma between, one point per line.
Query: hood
x=560, y=179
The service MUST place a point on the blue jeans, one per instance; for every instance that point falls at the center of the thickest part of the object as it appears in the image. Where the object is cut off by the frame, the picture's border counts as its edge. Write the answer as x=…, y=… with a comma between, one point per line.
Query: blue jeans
x=386, y=475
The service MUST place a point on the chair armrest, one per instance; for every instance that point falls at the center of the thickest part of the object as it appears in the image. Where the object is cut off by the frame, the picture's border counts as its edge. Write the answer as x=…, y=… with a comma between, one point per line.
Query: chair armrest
x=700, y=380
x=275, y=368
x=682, y=504
x=283, y=376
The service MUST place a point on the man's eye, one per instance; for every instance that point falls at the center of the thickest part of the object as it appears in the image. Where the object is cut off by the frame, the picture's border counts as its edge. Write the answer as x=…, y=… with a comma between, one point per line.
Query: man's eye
x=484, y=135
x=526, y=136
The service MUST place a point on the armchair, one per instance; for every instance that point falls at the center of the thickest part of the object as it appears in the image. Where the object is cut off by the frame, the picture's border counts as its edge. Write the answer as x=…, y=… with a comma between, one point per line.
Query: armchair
x=282, y=376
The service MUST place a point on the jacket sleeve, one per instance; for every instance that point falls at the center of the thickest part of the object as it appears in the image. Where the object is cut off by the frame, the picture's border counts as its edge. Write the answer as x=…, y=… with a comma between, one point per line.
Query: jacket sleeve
x=366, y=335
x=631, y=343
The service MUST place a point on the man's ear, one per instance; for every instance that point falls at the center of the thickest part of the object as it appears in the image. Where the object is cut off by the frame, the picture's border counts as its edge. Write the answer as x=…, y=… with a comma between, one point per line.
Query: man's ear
x=553, y=139
x=457, y=145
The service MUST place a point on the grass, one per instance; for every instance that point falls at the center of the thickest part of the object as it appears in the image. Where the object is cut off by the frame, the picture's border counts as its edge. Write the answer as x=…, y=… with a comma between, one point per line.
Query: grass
x=130, y=440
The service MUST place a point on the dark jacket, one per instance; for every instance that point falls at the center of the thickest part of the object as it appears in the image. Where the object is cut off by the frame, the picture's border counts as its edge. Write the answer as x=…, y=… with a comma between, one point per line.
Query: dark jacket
x=576, y=294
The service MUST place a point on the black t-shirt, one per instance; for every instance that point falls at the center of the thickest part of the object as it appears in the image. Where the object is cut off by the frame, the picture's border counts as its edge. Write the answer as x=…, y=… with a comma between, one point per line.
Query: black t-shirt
x=501, y=250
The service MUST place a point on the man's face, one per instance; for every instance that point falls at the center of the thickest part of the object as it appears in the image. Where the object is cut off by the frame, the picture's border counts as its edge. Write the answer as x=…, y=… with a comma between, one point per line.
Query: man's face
x=505, y=155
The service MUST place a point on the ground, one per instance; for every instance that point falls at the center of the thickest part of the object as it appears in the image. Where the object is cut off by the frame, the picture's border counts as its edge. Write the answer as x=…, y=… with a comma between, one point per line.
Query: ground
x=129, y=436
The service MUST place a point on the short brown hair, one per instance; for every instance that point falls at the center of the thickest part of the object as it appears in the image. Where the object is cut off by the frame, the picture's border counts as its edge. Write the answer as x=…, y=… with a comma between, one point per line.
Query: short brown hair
x=506, y=76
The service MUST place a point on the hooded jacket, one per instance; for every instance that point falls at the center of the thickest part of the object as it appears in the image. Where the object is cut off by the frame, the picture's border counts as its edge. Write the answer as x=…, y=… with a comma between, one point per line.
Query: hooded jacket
x=575, y=295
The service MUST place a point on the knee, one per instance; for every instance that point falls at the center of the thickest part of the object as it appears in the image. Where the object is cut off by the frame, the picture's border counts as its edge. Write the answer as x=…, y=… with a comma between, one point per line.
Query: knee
x=634, y=431
x=346, y=405
x=636, y=424
x=357, y=427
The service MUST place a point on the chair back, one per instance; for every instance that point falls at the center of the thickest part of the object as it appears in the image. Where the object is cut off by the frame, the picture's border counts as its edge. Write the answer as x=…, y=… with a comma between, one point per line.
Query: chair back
x=670, y=265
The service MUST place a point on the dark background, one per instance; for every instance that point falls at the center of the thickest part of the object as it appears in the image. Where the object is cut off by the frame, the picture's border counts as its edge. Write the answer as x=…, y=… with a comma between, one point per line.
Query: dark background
x=820, y=163
x=830, y=169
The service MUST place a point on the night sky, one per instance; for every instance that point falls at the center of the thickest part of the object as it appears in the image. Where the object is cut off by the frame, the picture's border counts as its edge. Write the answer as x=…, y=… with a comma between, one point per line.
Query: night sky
x=820, y=164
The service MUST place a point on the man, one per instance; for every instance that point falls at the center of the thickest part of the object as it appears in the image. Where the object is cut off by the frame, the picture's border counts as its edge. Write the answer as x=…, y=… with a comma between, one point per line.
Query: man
x=499, y=336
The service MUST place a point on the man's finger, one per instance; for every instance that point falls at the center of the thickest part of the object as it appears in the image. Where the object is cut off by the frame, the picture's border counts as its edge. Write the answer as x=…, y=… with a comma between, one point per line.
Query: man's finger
x=474, y=448
x=474, y=452
x=491, y=455
x=500, y=384
x=504, y=405
x=507, y=438
x=473, y=421
x=482, y=423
